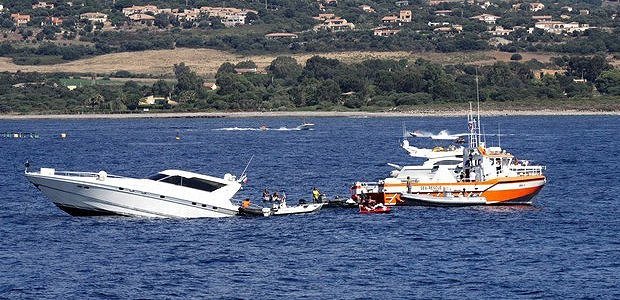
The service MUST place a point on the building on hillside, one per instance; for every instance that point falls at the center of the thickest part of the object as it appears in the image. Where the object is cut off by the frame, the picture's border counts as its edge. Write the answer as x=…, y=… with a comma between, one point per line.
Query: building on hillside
x=547, y=72
x=233, y=21
x=94, y=17
x=489, y=19
x=500, y=31
x=53, y=21
x=42, y=4
x=402, y=3
x=367, y=8
x=453, y=28
x=385, y=32
x=141, y=18
x=437, y=24
x=405, y=16
x=560, y=27
x=323, y=17
x=584, y=12
x=155, y=100
x=443, y=13
x=335, y=25
x=536, y=6
x=210, y=85
x=542, y=18
x=389, y=19
x=20, y=20
x=127, y=11
x=567, y=8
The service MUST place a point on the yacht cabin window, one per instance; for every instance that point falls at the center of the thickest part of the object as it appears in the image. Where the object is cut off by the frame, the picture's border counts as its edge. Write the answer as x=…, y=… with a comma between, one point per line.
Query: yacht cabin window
x=194, y=183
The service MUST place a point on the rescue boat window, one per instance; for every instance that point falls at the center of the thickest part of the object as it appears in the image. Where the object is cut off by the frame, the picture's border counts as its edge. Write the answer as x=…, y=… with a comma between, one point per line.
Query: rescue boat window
x=447, y=162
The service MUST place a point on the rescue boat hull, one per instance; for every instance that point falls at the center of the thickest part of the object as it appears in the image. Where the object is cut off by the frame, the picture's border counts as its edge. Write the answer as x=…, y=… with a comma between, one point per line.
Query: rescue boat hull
x=503, y=191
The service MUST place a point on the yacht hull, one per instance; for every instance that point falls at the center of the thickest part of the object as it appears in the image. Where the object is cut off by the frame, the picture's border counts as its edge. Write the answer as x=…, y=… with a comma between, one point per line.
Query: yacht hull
x=80, y=198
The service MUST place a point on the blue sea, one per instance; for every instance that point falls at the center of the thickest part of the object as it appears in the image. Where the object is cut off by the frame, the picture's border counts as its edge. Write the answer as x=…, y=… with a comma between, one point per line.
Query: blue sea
x=566, y=245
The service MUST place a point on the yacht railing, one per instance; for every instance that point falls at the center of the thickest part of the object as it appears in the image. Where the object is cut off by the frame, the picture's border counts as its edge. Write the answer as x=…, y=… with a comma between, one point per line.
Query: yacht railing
x=76, y=174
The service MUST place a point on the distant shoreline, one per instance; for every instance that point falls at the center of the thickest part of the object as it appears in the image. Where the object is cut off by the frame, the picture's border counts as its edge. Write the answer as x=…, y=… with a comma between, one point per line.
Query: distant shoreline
x=271, y=114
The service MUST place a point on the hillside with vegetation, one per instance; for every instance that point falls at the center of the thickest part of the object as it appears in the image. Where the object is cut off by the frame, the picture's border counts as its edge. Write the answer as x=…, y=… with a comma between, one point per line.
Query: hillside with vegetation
x=321, y=84
x=584, y=35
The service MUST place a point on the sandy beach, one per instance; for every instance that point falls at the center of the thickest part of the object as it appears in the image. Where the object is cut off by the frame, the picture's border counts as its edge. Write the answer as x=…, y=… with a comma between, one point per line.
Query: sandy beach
x=271, y=114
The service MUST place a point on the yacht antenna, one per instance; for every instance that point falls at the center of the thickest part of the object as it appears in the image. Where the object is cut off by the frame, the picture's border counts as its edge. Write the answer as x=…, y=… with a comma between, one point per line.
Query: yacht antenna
x=243, y=176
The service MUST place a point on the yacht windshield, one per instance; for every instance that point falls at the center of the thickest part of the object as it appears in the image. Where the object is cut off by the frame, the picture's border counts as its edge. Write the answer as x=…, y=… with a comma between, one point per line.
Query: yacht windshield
x=194, y=183
x=157, y=176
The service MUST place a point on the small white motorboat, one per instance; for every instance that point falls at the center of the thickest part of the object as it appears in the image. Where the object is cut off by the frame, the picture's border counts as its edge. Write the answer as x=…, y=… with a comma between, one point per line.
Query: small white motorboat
x=283, y=209
x=447, y=199
x=305, y=126
x=167, y=194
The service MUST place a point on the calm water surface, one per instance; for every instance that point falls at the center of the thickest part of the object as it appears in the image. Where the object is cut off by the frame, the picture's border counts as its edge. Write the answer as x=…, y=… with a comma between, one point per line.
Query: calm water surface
x=564, y=246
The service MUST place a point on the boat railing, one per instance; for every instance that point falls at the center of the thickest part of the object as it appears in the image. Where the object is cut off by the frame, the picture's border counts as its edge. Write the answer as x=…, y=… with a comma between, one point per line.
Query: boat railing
x=528, y=170
x=369, y=186
x=76, y=174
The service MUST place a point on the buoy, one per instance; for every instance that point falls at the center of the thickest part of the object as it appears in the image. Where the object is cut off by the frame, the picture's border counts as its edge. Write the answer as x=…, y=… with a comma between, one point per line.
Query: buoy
x=63, y=135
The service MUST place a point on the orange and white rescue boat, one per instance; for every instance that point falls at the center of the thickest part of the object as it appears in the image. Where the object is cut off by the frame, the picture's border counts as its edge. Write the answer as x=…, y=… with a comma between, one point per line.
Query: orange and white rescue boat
x=476, y=171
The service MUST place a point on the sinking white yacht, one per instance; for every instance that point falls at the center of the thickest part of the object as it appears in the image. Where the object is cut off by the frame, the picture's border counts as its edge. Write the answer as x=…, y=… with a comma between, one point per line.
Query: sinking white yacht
x=167, y=194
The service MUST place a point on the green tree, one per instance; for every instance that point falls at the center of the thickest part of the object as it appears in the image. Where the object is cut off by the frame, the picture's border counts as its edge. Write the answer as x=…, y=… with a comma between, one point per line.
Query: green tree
x=609, y=82
x=285, y=67
x=187, y=80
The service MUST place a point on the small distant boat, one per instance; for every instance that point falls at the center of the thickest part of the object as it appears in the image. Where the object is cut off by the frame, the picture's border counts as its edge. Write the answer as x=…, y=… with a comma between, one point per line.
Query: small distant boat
x=305, y=126
x=377, y=209
x=447, y=199
x=297, y=209
x=263, y=128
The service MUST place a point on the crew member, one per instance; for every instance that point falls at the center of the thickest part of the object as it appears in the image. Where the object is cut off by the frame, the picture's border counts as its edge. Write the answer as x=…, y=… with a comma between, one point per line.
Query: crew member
x=315, y=195
x=408, y=185
x=266, y=195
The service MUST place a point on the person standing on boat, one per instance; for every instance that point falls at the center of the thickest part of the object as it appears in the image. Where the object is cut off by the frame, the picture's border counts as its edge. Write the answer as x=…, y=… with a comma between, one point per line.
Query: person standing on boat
x=315, y=195
x=283, y=200
x=408, y=185
x=275, y=197
x=266, y=195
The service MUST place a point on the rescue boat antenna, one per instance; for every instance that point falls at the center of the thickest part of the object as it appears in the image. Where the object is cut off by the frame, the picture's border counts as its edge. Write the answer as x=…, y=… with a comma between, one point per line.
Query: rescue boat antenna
x=478, y=103
x=499, y=136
